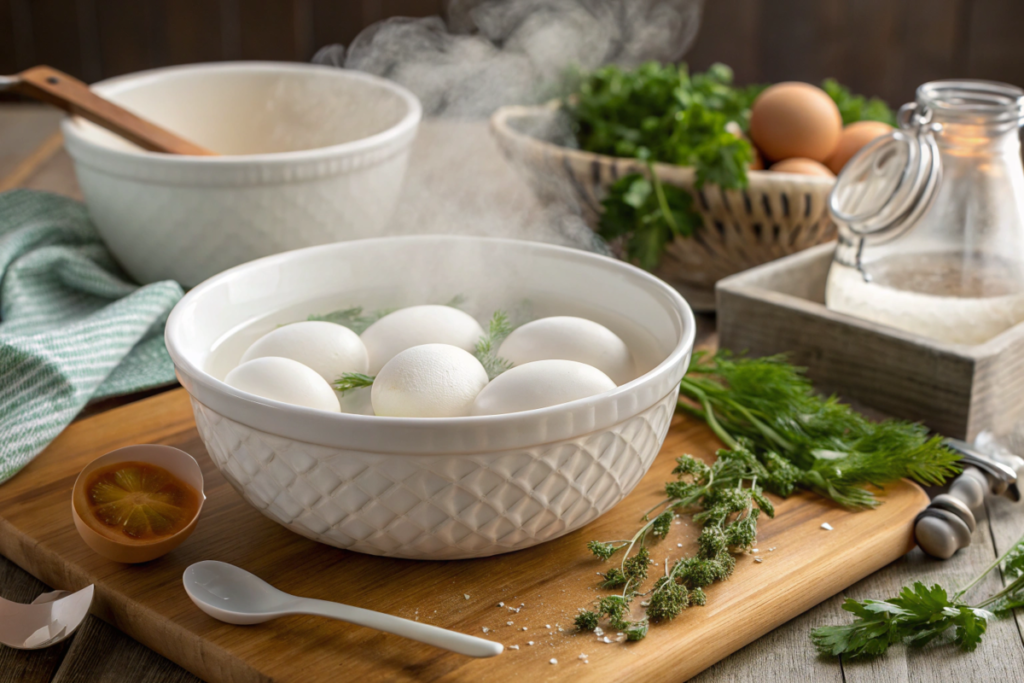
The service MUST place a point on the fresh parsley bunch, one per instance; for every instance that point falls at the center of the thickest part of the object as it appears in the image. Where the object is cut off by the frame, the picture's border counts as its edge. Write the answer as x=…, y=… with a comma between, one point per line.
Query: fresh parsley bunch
x=919, y=614
x=663, y=113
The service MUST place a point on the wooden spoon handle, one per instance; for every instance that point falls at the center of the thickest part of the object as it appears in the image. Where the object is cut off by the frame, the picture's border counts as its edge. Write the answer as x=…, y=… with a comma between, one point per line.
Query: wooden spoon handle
x=57, y=88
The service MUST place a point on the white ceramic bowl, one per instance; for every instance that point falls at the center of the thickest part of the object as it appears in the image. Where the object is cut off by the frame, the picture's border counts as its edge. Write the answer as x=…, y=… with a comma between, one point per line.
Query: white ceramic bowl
x=432, y=488
x=311, y=155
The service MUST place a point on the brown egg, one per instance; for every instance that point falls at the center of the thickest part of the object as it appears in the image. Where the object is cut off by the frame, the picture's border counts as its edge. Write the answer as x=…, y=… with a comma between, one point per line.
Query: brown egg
x=801, y=166
x=855, y=136
x=795, y=120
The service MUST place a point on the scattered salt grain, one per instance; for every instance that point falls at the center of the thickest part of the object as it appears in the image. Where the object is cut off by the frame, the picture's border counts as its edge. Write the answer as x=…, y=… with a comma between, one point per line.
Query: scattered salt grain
x=771, y=550
x=524, y=628
x=826, y=526
x=758, y=559
x=547, y=625
x=529, y=642
x=501, y=604
x=554, y=661
x=465, y=596
x=598, y=632
x=754, y=550
x=508, y=623
x=486, y=629
x=679, y=545
x=583, y=657
x=605, y=639
x=513, y=647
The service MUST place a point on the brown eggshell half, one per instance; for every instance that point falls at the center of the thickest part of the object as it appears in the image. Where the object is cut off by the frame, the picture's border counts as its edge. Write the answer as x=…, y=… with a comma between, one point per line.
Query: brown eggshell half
x=177, y=462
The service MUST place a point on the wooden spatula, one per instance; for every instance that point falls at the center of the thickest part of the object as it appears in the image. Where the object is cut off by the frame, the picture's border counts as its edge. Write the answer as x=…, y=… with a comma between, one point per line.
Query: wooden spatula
x=57, y=88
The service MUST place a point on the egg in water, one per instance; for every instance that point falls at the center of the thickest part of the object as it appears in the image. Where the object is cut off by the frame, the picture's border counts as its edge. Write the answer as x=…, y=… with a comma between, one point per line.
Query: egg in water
x=330, y=349
x=430, y=380
x=415, y=326
x=540, y=384
x=285, y=380
x=570, y=338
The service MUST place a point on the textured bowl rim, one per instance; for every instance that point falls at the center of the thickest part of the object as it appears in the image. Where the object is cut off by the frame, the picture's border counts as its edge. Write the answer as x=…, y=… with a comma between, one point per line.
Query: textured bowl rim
x=395, y=434
x=112, y=86
x=502, y=130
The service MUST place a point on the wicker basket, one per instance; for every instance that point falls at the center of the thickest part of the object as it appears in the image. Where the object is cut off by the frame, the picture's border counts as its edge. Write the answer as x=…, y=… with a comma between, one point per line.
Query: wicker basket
x=776, y=215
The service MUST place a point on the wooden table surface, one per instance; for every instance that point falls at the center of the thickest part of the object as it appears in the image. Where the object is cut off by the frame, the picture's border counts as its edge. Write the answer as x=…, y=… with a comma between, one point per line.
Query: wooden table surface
x=31, y=156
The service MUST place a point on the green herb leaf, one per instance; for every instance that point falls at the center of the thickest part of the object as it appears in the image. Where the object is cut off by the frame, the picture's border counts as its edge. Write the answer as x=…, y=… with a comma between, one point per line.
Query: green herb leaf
x=352, y=380
x=487, y=348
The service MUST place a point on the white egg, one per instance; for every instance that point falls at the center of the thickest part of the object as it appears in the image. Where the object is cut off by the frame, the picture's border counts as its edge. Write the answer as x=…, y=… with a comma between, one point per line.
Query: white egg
x=415, y=326
x=569, y=338
x=431, y=380
x=285, y=380
x=329, y=349
x=540, y=384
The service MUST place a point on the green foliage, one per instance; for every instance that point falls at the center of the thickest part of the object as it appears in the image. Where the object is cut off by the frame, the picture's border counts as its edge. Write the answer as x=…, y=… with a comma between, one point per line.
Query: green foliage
x=857, y=107
x=487, y=348
x=352, y=380
x=352, y=318
x=770, y=409
x=920, y=614
x=586, y=620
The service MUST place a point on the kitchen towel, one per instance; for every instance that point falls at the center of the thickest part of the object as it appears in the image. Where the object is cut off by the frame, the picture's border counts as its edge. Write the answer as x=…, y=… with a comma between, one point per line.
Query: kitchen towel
x=73, y=327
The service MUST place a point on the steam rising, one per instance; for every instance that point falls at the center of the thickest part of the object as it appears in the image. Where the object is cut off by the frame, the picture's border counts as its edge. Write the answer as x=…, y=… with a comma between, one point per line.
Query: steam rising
x=492, y=53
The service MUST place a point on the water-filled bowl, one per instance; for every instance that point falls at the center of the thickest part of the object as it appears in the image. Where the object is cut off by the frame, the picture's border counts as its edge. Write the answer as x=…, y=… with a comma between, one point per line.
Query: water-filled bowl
x=432, y=488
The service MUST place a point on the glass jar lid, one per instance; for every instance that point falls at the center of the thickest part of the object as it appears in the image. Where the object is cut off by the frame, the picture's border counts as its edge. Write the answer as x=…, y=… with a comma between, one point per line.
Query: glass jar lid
x=886, y=186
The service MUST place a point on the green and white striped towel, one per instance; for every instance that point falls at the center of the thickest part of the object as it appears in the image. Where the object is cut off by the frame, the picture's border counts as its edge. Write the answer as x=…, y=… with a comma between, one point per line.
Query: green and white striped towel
x=73, y=327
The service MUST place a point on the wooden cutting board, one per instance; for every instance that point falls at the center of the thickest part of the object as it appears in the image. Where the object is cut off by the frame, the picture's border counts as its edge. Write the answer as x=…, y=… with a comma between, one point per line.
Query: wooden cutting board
x=802, y=565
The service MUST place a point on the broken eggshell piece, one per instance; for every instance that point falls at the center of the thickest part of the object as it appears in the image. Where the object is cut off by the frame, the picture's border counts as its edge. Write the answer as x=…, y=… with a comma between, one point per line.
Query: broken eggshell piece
x=179, y=463
x=49, y=619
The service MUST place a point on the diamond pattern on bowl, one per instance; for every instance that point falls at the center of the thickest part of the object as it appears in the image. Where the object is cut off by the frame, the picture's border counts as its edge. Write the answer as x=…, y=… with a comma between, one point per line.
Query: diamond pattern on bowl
x=435, y=506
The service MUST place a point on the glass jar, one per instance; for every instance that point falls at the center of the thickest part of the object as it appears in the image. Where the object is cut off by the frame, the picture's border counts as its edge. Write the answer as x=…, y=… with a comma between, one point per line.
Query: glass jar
x=931, y=217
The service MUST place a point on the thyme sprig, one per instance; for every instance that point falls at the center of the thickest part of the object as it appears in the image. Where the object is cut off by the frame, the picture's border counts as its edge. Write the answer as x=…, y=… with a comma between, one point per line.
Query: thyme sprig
x=920, y=614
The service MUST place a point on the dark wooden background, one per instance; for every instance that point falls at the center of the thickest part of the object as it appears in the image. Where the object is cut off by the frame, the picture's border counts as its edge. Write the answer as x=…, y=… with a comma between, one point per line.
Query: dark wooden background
x=878, y=47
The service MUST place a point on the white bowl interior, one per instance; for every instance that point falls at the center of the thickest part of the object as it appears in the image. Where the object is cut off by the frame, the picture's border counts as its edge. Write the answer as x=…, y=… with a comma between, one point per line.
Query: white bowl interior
x=525, y=279
x=239, y=108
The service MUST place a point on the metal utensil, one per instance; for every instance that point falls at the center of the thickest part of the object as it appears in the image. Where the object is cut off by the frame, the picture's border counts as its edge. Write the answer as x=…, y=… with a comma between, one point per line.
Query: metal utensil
x=233, y=595
x=55, y=87
x=47, y=620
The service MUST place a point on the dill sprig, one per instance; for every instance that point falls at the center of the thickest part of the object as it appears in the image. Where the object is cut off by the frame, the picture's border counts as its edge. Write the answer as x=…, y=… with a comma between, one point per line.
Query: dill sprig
x=780, y=435
x=920, y=614
x=487, y=348
x=353, y=318
x=837, y=451
x=352, y=380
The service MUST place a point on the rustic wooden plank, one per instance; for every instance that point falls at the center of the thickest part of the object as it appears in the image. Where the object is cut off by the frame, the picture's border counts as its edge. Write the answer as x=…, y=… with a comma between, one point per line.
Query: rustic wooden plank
x=193, y=31
x=131, y=35
x=553, y=579
x=993, y=44
x=23, y=130
x=1001, y=654
x=8, y=50
x=268, y=30
x=730, y=33
x=26, y=666
x=57, y=174
x=56, y=36
x=1007, y=526
x=102, y=654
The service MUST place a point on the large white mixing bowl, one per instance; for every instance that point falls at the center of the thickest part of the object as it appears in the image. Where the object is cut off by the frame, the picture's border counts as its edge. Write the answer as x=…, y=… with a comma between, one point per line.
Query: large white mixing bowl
x=311, y=155
x=432, y=488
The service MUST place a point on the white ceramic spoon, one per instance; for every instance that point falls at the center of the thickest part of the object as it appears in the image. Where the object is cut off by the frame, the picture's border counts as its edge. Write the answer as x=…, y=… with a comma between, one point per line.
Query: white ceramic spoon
x=49, y=619
x=233, y=595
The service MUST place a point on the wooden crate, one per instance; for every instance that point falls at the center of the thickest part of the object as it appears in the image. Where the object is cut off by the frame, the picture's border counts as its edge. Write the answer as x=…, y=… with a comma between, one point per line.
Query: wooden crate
x=955, y=389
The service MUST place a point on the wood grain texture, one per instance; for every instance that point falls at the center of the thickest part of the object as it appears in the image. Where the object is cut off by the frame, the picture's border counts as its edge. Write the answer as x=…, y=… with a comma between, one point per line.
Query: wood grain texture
x=55, y=87
x=23, y=129
x=550, y=581
x=955, y=389
x=25, y=666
